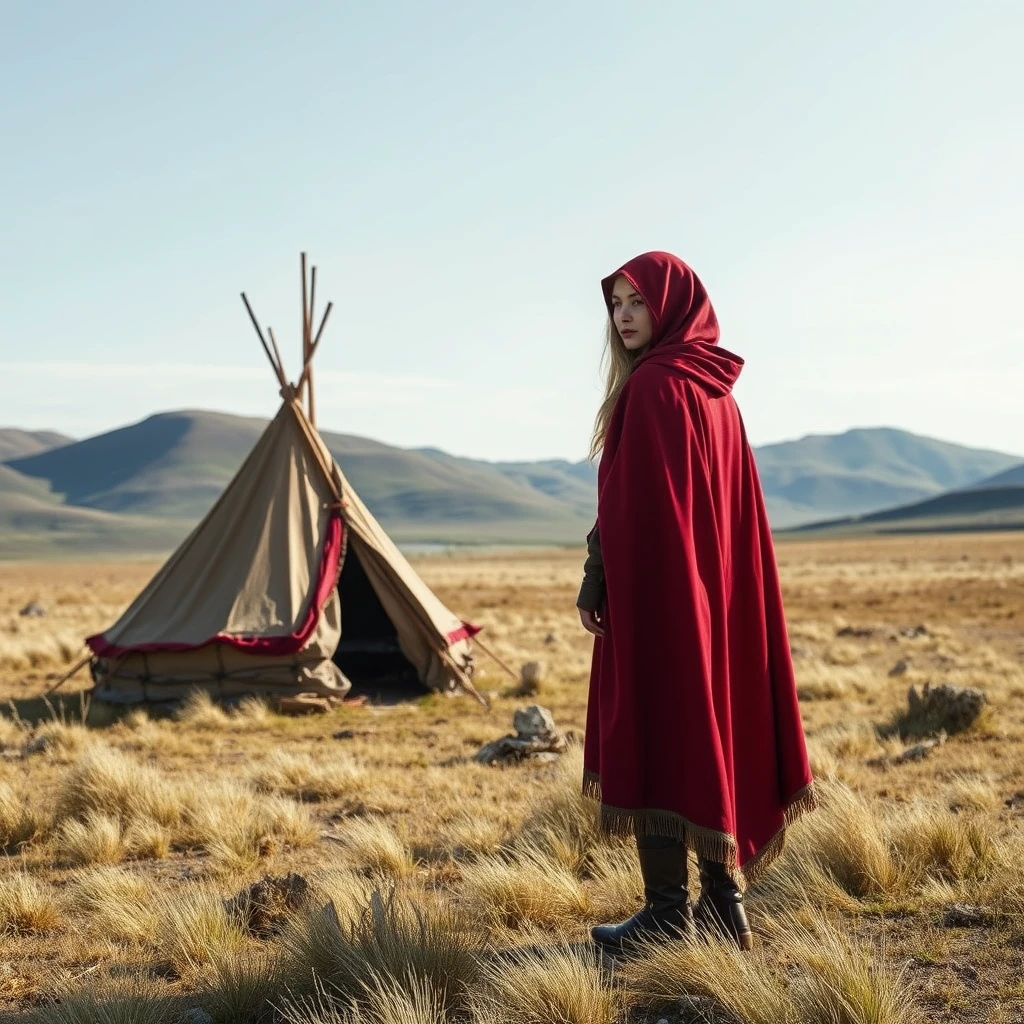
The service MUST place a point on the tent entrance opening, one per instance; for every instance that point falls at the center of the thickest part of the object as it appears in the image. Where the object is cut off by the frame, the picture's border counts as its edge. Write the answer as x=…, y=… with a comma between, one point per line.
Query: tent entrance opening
x=368, y=652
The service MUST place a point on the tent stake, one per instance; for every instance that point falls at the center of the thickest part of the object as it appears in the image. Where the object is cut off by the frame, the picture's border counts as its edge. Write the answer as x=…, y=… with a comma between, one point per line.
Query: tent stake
x=78, y=668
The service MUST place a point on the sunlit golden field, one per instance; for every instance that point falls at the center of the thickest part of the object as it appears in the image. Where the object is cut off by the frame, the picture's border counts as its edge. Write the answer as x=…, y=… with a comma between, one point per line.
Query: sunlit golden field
x=443, y=890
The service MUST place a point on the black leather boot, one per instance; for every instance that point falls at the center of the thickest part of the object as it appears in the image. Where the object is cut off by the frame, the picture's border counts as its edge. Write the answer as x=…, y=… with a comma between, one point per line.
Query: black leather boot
x=667, y=913
x=720, y=907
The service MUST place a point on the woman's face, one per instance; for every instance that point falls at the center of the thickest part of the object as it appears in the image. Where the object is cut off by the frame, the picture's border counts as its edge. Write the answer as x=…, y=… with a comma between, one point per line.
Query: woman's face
x=630, y=315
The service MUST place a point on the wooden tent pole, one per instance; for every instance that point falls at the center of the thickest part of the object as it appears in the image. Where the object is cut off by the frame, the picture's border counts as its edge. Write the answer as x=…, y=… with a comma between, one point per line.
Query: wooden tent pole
x=305, y=317
x=483, y=647
x=310, y=397
x=277, y=351
x=307, y=370
x=282, y=380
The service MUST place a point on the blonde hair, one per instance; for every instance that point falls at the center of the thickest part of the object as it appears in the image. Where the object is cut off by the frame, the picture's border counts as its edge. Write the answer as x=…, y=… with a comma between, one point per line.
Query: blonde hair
x=620, y=362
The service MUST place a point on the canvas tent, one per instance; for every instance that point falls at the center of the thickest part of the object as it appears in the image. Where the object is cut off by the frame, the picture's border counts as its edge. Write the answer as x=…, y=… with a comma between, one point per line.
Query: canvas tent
x=288, y=585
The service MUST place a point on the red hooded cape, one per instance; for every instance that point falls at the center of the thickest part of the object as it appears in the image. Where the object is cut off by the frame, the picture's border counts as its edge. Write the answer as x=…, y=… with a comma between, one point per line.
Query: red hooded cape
x=693, y=727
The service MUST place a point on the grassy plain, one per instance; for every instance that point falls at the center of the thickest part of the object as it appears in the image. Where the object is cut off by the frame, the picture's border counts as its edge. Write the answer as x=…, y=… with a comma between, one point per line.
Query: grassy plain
x=464, y=893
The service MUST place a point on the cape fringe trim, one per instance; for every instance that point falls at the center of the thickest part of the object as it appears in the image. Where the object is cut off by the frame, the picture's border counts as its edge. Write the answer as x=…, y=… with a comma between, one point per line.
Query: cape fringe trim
x=710, y=844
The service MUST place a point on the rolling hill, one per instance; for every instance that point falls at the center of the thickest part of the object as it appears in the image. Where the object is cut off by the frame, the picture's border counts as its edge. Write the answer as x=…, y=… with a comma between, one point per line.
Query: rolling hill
x=865, y=470
x=992, y=508
x=1013, y=477
x=145, y=484
x=15, y=443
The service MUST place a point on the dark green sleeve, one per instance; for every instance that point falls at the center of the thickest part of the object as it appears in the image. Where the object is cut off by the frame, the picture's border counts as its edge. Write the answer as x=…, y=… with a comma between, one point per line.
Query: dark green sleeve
x=592, y=591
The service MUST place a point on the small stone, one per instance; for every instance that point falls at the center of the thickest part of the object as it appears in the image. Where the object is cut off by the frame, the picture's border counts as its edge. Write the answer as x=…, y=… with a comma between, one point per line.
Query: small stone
x=921, y=750
x=913, y=632
x=534, y=723
x=33, y=610
x=197, y=1015
x=530, y=677
x=551, y=638
x=965, y=915
x=860, y=632
x=344, y=734
x=899, y=668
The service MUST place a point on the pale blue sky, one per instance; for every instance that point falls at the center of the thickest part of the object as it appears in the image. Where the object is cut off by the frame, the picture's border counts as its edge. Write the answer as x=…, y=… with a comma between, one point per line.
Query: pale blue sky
x=845, y=177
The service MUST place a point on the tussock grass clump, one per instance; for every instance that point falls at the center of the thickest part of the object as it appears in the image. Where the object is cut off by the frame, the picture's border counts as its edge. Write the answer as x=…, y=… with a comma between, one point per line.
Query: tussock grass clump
x=849, y=854
x=252, y=711
x=473, y=835
x=198, y=711
x=376, y=847
x=842, y=982
x=564, y=985
x=96, y=839
x=126, y=1002
x=241, y=986
x=118, y=903
x=935, y=843
x=302, y=777
x=12, y=732
x=527, y=888
x=195, y=928
x=62, y=741
x=742, y=983
x=26, y=907
x=565, y=824
x=392, y=937
x=836, y=981
x=616, y=888
x=386, y=1000
x=239, y=828
x=154, y=813
x=106, y=781
x=21, y=822
x=975, y=793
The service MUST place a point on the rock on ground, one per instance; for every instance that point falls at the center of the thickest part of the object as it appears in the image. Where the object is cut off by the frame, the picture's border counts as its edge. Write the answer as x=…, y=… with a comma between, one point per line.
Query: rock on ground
x=536, y=736
x=266, y=906
x=945, y=708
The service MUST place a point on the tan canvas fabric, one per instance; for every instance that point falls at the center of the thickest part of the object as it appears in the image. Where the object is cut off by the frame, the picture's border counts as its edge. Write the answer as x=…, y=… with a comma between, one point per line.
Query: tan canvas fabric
x=249, y=569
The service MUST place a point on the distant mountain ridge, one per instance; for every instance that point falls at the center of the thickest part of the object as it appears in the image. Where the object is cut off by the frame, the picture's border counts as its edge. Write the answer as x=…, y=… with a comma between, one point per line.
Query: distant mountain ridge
x=157, y=477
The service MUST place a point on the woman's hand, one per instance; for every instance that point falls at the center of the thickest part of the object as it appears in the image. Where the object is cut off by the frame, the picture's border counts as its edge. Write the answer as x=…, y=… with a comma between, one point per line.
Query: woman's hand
x=592, y=622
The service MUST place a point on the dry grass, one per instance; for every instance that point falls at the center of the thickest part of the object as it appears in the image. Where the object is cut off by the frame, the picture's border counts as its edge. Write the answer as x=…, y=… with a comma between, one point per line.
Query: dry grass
x=564, y=985
x=375, y=846
x=21, y=821
x=27, y=906
x=116, y=903
x=125, y=1001
x=96, y=839
x=195, y=929
x=488, y=862
x=391, y=937
x=314, y=779
x=524, y=889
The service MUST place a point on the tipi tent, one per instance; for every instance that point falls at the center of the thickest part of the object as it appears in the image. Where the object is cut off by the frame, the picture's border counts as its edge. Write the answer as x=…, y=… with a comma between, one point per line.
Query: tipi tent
x=288, y=583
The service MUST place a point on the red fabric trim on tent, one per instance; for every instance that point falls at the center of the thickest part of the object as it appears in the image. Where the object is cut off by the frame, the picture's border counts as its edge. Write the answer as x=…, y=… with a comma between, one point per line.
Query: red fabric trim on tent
x=466, y=632
x=326, y=580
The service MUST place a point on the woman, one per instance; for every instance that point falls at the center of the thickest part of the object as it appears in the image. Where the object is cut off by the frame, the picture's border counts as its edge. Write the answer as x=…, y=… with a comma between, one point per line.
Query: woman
x=694, y=740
